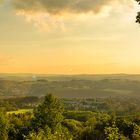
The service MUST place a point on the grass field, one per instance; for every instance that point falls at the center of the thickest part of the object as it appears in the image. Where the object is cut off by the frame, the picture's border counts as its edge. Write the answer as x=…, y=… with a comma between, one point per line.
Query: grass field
x=20, y=111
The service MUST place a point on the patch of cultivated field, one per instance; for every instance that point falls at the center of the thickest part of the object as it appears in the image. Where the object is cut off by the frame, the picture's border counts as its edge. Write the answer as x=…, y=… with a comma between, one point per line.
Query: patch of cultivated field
x=20, y=111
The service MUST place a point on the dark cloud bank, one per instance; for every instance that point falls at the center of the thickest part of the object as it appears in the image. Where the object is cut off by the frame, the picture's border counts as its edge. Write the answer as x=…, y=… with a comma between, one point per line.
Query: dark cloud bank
x=61, y=6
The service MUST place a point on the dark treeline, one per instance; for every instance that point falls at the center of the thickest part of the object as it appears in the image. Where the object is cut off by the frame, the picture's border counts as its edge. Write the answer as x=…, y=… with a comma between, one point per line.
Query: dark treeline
x=51, y=121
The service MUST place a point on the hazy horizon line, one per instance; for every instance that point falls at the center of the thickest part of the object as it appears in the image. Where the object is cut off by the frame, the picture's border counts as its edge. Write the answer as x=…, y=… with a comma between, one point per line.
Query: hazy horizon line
x=12, y=73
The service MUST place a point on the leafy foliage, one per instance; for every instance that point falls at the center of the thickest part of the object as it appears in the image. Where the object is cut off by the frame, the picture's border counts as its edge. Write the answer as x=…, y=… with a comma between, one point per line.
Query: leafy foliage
x=138, y=15
x=49, y=113
x=47, y=122
x=3, y=126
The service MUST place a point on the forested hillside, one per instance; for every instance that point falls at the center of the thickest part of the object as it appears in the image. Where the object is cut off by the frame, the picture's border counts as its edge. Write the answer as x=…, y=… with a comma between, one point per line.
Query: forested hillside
x=49, y=120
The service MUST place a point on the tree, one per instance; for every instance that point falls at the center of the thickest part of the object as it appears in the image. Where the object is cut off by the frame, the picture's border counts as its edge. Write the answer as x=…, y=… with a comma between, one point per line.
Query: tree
x=136, y=133
x=126, y=127
x=112, y=133
x=49, y=112
x=74, y=127
x=45, y=134
x=47, y=121
x=138, y=15
x=3, y=126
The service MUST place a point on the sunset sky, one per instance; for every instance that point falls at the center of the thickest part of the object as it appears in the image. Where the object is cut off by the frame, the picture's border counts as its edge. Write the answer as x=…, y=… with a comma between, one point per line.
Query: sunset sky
x=69, y=36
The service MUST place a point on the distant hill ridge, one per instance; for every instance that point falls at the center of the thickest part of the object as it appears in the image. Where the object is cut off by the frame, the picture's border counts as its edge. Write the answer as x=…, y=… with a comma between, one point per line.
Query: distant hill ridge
x=60, y=77
x=70, y=86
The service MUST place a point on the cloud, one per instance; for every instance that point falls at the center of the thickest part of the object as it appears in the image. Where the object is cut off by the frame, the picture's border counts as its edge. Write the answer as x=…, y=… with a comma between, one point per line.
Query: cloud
x=50, y=14
x=42, y=21
x=61, y=6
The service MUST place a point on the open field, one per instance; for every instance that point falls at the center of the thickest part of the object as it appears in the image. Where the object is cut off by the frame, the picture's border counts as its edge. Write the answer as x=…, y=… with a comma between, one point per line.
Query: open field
x=20, y=111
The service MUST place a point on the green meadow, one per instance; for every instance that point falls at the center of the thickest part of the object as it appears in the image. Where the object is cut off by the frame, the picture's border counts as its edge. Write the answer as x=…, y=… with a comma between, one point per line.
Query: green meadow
x=20, y=111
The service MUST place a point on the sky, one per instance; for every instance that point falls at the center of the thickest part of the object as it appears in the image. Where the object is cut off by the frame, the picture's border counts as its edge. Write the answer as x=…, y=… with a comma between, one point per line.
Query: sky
x=69, y=36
